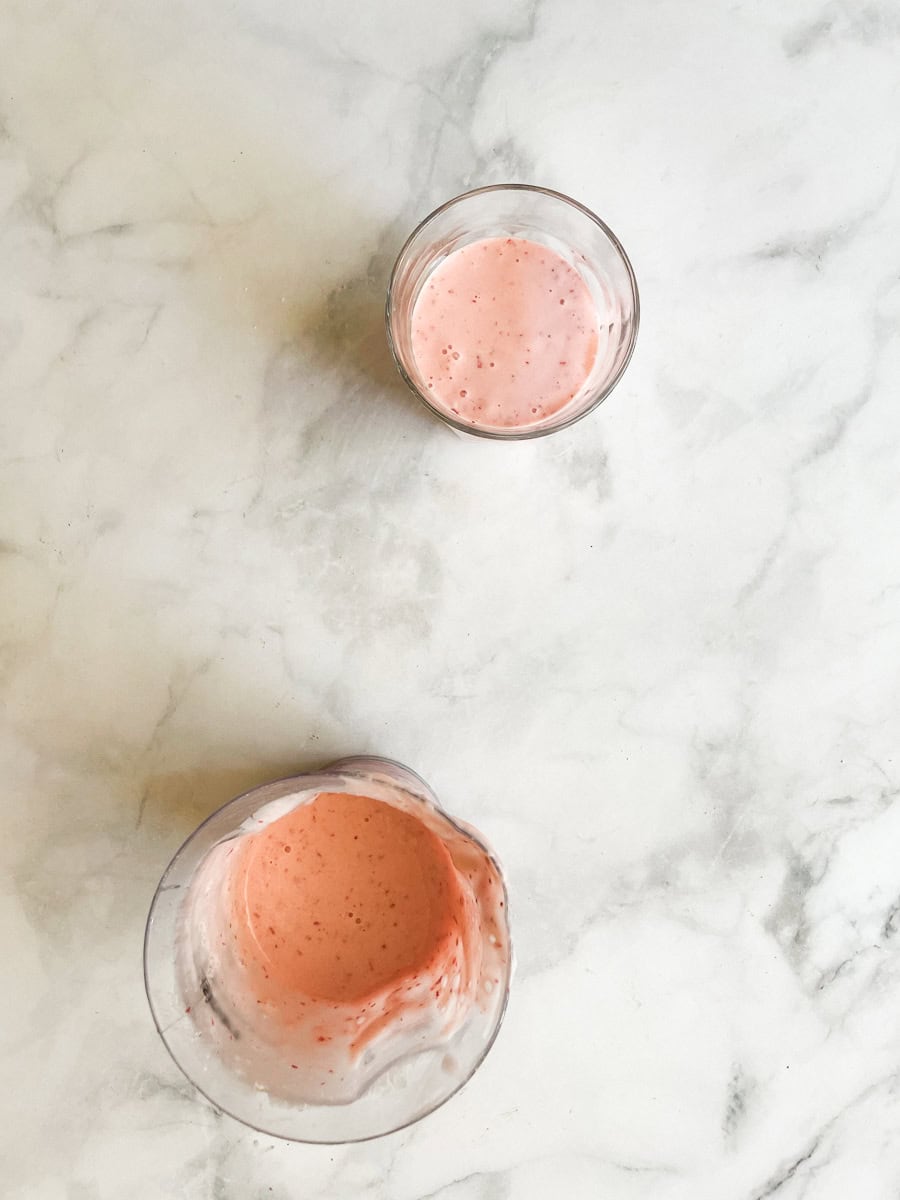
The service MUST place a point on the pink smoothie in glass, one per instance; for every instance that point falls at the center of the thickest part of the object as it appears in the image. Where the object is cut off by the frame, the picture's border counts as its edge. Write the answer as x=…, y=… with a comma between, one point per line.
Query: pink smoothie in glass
x=504, y=333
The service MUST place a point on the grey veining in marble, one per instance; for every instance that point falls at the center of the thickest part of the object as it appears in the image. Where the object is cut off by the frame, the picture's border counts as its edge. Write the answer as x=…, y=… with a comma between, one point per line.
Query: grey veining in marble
x=655, y=657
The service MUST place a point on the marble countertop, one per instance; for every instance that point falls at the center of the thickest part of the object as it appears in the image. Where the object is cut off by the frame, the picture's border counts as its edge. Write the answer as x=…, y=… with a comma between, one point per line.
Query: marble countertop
x=655, y=657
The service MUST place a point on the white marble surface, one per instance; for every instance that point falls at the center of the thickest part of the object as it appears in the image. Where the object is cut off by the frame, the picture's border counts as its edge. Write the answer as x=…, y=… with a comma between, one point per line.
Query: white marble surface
x=655, y=658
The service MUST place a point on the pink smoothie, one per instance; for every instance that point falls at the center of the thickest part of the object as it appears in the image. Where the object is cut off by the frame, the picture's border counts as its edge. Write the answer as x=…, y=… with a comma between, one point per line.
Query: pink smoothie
x=504, y=333
x=333, y=939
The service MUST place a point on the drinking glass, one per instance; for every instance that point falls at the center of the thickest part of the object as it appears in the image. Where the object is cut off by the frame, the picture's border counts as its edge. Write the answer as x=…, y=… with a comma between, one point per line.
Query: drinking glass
x=538, y=215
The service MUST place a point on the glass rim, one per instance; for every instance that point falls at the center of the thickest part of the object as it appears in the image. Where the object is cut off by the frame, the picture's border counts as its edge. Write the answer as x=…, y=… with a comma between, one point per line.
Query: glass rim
x=337, y=767
x=515, y=435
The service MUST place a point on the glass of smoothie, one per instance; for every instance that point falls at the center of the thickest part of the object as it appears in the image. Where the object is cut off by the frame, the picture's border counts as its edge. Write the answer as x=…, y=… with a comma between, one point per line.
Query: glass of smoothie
x=327, y=958
x=512, y=311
